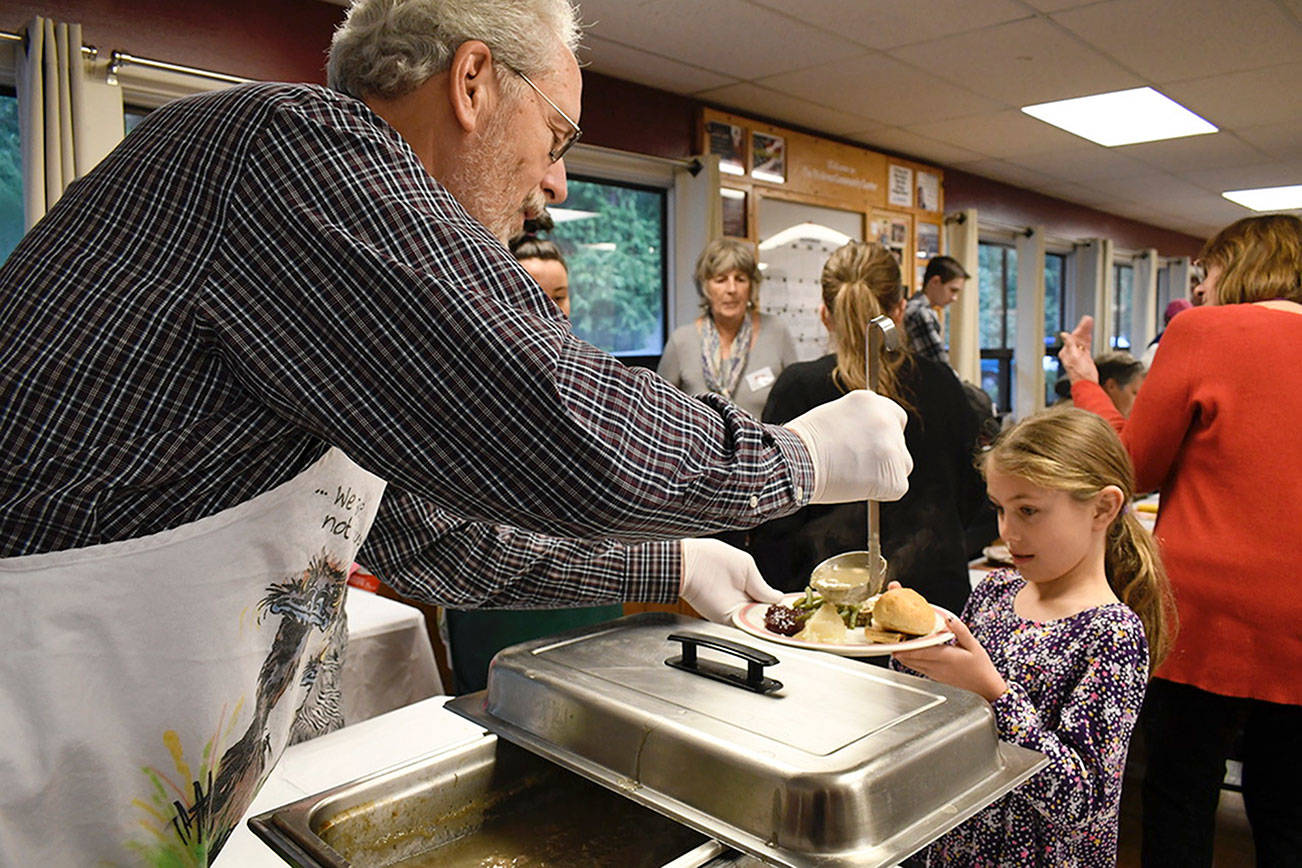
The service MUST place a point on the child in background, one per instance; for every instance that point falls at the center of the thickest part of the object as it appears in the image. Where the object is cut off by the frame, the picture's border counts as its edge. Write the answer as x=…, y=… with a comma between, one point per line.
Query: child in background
x=1062, y=645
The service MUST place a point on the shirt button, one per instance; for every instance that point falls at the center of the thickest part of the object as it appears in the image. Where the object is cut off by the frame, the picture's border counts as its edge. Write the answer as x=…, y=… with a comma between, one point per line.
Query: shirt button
x=754, y=502
x=800, y=492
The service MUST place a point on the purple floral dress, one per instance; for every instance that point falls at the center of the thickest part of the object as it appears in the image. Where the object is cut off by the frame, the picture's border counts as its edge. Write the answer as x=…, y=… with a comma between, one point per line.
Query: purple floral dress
x=1074, y=690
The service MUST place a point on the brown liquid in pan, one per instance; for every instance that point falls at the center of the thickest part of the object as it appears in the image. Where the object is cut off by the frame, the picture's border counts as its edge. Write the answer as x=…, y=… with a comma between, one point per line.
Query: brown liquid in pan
x=561, y=819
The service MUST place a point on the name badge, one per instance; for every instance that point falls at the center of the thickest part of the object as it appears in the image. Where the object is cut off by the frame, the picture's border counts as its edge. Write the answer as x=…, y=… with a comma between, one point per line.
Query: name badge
x=761, y=379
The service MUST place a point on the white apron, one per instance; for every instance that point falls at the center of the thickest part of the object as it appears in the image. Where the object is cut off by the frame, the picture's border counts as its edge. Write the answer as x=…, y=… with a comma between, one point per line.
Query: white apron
x=148, y=686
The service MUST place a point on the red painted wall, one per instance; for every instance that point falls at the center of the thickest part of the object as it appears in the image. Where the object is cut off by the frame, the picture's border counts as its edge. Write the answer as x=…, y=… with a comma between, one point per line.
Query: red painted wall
x=286, y=40
x=274, y=40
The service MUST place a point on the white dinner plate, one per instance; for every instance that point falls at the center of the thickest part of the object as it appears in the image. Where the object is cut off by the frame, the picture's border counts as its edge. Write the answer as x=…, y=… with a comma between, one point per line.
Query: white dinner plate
x=751, y=619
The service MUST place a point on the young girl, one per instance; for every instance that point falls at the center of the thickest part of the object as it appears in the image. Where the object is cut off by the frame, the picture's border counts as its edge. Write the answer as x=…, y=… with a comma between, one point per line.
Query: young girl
x=1062, y=645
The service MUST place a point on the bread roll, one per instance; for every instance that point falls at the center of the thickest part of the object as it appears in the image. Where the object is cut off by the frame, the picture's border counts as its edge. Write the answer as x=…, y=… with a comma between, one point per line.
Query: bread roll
x=904, y=610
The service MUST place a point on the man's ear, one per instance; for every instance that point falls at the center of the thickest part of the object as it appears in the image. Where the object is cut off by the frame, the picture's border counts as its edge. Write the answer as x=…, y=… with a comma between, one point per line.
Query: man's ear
x=1109, y=503
x=472, y=87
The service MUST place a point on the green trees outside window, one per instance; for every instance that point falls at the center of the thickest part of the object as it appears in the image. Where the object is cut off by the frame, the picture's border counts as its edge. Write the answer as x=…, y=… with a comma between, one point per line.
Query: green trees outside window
x=613, y=237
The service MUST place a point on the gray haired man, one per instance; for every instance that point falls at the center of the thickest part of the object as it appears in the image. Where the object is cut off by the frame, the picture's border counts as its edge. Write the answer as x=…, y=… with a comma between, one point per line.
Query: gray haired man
x=277, y=327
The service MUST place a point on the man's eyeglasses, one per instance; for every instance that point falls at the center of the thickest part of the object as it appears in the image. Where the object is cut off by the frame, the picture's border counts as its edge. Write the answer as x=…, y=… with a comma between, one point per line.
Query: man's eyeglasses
x=558, y=150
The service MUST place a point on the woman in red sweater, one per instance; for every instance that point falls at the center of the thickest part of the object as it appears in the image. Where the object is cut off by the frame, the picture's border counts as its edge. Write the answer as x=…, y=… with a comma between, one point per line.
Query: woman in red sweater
x=1216, y=428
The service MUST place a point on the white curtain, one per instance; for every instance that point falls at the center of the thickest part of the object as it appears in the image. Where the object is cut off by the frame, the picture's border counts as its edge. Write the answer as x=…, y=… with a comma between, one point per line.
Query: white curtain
x=52, y=114
x=962, y=243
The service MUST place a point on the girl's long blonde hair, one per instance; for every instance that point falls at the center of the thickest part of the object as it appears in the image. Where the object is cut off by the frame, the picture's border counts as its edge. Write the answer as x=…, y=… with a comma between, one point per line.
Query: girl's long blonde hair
x=861, y=280
x=1074, y=451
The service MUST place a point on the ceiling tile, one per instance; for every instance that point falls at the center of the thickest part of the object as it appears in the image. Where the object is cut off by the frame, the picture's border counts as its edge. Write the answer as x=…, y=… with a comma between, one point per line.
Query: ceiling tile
x=1214, y=210
x=1243, y=99
x=1021, y=63
x=730, y=37
x=1083, y=163
x=887, y=25
x=1078, y=193
x=911, y=144
x=1009, y=173
x=1192, y=153
x=632, y=64
x=1057, y=5
x=1165, y=41
x=1276, y=174
x=1149, y=189
x=882, y=88
x=752, y=99
x=1002, y=134
x=1283, y=141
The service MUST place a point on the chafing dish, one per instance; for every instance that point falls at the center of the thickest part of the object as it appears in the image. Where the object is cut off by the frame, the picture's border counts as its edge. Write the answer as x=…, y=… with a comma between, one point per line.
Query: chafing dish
x=787, y=756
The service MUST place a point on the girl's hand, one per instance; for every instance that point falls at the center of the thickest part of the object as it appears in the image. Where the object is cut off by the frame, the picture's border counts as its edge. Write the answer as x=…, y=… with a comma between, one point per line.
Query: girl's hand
x=964, y=664
x=1075, y=353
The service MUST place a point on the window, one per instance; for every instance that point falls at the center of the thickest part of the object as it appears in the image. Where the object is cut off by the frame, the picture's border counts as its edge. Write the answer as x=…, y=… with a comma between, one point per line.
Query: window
x=131, y=118
x=998, y=321
x=613, y=235
x=11, y=175
x=1123, y=300
x=1055, y=280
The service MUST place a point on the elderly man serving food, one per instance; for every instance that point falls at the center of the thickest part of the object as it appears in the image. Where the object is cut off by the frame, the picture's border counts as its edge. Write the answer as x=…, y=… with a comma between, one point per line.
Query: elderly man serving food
x=276, y=325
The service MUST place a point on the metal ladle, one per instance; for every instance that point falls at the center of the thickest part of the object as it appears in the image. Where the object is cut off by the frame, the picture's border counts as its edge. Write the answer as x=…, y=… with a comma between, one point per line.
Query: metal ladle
x=852, y=577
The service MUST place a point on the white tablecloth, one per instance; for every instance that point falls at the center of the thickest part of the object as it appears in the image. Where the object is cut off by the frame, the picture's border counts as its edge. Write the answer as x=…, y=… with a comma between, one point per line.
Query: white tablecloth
x=350, y=753
x=389, y=662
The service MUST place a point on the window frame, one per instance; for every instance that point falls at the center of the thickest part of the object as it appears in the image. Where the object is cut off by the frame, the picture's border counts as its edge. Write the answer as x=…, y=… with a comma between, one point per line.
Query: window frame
x=1121, y=264
x=1002, y=355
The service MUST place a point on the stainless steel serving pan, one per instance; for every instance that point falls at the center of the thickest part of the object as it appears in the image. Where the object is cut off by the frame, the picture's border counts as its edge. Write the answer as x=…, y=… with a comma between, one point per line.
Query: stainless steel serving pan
x=470, y=803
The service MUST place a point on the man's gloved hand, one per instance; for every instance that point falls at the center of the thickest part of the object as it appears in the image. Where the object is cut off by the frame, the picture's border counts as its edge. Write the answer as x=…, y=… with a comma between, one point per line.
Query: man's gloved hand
x=857, y=444
x=719, y=579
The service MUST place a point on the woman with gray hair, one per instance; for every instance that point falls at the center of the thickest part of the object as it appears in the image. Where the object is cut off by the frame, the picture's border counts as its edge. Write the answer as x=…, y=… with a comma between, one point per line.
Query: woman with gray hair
x=732, y=349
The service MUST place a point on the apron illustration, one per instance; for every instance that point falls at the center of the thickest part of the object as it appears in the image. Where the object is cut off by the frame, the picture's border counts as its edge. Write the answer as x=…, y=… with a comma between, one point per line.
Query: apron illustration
x=148, y=686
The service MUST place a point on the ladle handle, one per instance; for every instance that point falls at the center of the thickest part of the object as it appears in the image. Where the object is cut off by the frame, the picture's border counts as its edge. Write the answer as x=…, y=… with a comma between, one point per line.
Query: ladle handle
x=881, y=335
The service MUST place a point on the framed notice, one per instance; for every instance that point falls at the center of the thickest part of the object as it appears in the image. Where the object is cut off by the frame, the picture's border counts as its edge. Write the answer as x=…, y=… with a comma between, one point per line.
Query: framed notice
x=727, y=141
x=768, y=158
x=928, y=240
x=928, y=191
x=899, y=186
x=734, y=212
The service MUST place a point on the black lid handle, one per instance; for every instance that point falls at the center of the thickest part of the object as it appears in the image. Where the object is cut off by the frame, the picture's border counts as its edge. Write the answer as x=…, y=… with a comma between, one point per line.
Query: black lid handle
x=756, y=660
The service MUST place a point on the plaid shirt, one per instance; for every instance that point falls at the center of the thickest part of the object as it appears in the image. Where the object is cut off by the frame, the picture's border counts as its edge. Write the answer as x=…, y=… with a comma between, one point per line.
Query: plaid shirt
x=923, y=328
x=261, y=273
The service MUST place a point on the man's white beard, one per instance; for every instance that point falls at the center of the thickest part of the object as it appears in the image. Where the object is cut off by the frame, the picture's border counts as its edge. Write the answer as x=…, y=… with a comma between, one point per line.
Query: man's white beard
x=479, y=181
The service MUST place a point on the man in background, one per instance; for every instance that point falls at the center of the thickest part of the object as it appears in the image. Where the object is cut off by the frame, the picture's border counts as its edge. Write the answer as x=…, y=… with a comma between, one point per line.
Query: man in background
x=941, y=284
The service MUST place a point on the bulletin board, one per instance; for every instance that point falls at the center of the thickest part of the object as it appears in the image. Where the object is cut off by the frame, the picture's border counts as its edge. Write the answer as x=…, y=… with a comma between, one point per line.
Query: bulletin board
x=901, y=201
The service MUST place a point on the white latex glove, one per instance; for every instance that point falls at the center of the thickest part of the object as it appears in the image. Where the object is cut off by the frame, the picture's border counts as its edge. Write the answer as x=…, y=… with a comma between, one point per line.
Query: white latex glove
x=719, y=579
x=857, y=443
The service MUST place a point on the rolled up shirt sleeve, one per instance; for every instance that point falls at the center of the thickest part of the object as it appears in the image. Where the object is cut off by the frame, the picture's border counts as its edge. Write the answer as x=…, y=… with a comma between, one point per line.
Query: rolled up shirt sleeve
x=427, y=553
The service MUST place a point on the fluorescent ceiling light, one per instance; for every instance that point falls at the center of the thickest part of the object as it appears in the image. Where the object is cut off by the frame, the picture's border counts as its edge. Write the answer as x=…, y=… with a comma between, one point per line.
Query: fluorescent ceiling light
x=1268, y=198
x=732, y=169
x=805, y=232
x=729, y=193
x=1122, y=117
x=565, y=215
x=771, y=177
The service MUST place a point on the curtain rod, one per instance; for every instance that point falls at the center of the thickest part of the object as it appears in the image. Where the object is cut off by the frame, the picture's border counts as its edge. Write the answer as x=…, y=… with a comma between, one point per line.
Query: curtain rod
x=119, y=59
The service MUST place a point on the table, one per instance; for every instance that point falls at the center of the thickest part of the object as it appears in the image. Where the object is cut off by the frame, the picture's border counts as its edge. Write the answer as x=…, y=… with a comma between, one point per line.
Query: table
x=360, y=749
x=389, y=662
